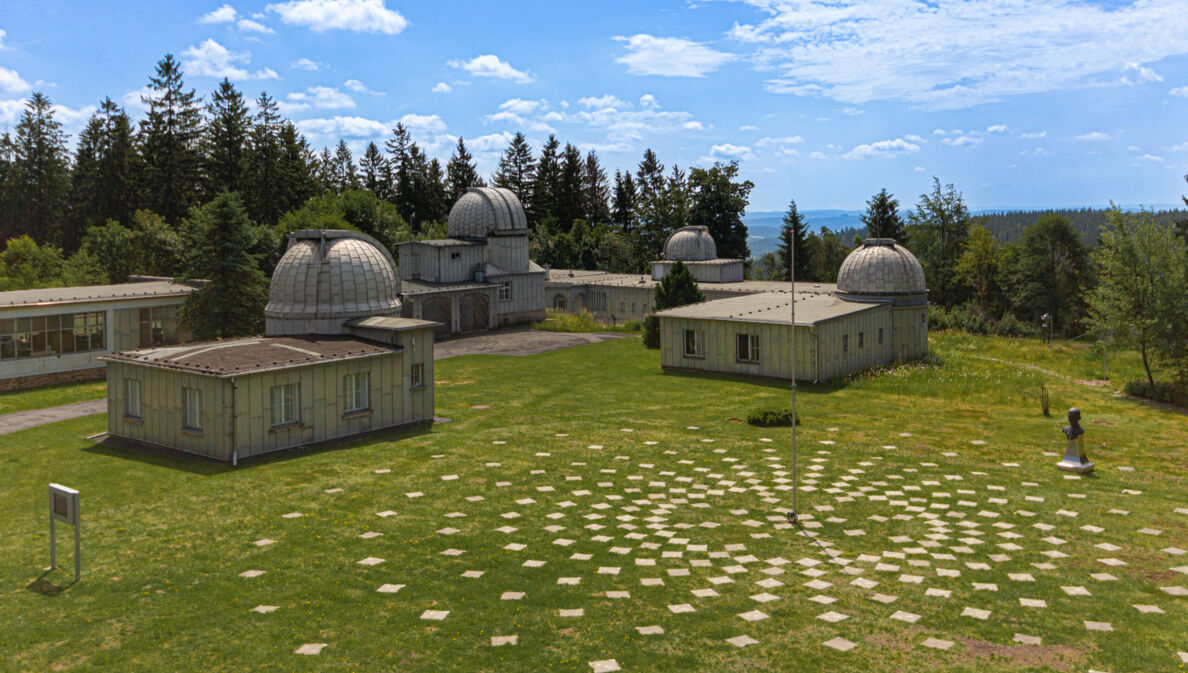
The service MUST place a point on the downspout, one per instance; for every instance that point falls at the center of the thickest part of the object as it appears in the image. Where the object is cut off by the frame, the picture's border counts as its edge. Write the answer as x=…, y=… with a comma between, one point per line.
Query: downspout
x=816, y=357
x=234, y=413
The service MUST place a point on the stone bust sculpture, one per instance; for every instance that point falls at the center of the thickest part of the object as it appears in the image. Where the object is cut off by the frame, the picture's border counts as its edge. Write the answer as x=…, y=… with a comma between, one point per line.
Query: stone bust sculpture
x=1074, y=429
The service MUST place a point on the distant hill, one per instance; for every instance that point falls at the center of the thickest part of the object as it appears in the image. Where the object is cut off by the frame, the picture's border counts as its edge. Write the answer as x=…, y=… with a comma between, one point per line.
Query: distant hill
x=763, y=227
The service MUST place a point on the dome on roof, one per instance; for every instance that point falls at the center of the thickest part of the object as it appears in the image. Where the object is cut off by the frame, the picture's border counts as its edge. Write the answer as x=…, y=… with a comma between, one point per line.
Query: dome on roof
x=327, y=277
x=880, y=267
x=690, y=244
x=482, y=211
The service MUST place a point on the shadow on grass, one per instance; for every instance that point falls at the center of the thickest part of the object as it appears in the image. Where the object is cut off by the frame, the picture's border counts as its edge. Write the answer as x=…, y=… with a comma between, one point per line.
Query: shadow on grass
x=160, y=456
x=823, y=388
x=43, y=586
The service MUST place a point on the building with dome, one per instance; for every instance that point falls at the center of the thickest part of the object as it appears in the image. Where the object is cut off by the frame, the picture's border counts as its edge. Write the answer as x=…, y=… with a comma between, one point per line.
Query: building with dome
x=695, y=247
x=480, y=277
x=337, y=360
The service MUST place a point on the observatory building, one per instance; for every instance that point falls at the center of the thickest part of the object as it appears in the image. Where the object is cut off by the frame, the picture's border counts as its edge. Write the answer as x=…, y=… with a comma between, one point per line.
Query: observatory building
x=480, y=277
x=337, y=360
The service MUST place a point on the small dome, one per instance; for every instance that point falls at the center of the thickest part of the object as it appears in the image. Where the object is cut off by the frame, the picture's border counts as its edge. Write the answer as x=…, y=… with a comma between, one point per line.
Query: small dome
x=880, y=267
x=327, y=277
x=690, y=244
x=482, y=211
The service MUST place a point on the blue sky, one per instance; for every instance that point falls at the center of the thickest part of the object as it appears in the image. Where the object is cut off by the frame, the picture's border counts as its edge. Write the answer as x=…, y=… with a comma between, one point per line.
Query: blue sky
x=1023, y=103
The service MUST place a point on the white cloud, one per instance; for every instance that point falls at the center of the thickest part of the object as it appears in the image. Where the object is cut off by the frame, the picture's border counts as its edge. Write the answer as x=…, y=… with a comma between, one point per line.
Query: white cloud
x=359, y=87
x=998, y=128
x=442, y=87
x=918, y=169
x=2, y=45
x=254, y=26
x=11, y=82
x=1181, y=91
x=224, y=14
x=1134, y=73
x=785, y=140
x=1150, y=157
x=490, y=142
x=787, y=152
x=520, y=106
x=728, y=151
x=693, y=126
x=962, y=141
x=648, y=100
x=951, y=54
x=914, y=138
x=1134, y=148
x=748, y=127
x=1094, y=136
x=818, y=155
x=853, y=111
x=70, y=118
x=1182, y=147
x=882, y=148
x=363, y=16
x=604, y=101
x=418, y=122
x=307, y=64
x=343, y=127
x=1033, y=135
x=211, y=59
x=324, y=97
x=490, y=65
x=670, y=56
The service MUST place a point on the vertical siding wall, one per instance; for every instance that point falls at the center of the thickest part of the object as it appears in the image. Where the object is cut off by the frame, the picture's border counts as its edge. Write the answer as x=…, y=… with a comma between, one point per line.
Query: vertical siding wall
x=527, y=296
x=911, y=332
x=509, y=253
x=720, y=338
x=161, y=409
x=834, y=361
x=451, y=270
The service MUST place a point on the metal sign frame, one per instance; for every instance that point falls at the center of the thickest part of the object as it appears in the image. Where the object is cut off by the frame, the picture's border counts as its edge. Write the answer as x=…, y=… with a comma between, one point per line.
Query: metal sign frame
x=63, y=506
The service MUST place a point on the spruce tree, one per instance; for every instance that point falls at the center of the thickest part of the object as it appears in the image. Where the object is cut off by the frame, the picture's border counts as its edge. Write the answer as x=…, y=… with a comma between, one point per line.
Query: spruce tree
x=623, y=206
x=105, y=182
x=794, y=231
x=677, y=288
x=882, y=218
x=40, y=185
x=372, y=169
x=719, y=202
x=939, y=229
x=345, y=177
x=398, y=160
x=226, y=141
x=264, y=193
x=171, y=143
x=546, y=183
x=517, y=169
x=595, y=192
x=231, y=302
x=461, y=172
x=569, y=188
x=297, y=171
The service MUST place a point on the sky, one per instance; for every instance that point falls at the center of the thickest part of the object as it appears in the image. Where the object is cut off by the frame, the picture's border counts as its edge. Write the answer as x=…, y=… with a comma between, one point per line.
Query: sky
x=1019, y=103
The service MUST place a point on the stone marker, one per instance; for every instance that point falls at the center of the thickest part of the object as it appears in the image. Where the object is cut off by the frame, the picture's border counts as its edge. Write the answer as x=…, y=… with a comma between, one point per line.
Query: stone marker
x=1075, y=459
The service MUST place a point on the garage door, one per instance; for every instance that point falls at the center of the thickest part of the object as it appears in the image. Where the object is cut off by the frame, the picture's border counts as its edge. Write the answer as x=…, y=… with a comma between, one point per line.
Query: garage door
x=437, y=309
x=473, y=313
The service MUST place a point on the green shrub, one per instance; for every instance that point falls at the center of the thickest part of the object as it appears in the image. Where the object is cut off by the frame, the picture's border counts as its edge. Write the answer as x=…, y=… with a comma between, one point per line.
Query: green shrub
x=559, y=321
x=772, y=417
x=971, y=319
x=651, y=332
x=1164, y=391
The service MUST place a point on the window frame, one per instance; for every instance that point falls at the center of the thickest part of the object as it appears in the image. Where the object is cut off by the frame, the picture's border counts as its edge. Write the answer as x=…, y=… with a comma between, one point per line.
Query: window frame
x=751, y=342
x=356, y=392
x=289, y=405
x=505, y=291
x=133, y=397
x=416, y=375
x=191, y=409
x=698, y=343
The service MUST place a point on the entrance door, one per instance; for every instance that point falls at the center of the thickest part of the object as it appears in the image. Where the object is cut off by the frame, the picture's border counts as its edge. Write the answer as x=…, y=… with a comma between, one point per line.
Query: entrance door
x=473, y=313
x=437, y=309
x=559, y=302
x=579, y=302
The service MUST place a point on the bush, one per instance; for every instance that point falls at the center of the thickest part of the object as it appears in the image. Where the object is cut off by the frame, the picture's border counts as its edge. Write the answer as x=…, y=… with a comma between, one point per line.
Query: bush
x=971, y=319
x=1164, y=391
x=773, y=417
x=558, y=321
x=651, y=332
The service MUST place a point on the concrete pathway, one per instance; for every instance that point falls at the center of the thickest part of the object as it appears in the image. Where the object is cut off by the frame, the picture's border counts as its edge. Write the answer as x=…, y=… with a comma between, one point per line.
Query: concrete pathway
x=27, y=419
x=518, y=341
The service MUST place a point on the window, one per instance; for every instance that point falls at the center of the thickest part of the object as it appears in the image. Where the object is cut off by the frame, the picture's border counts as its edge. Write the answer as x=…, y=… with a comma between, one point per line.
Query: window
x=158, y=326
x=505, y=291
x=285, y=403
x=845, y=343
x=417, y=376
x=356, y=392
x=455, y=255
x=747, y=346
x=634, y=308
x=923, y=318
x=694, y=344
x=132, y=398
x=46, y=335
x=880, y=336
x=860, y=339
x=191, y=409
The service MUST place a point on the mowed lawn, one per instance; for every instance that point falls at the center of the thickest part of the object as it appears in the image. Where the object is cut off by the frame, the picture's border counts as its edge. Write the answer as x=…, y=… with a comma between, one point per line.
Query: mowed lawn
x=609, y=515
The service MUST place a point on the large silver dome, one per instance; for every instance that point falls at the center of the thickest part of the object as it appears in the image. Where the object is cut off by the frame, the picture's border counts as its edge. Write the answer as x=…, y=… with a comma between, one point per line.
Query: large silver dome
x=690, y=244
x=880, y=267
x=327, y=277
x=482, y=211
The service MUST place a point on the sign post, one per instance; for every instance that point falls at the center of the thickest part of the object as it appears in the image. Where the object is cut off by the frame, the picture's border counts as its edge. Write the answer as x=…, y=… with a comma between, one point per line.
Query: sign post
x=63, y=502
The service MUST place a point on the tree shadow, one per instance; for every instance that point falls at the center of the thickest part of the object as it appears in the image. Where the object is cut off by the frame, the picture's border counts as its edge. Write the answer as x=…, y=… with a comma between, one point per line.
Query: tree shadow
x=823, y=388
x=43, y=586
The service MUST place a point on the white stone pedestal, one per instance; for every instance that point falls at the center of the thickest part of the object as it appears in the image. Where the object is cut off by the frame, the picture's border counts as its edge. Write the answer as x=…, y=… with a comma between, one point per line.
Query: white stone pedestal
x=1075, y=459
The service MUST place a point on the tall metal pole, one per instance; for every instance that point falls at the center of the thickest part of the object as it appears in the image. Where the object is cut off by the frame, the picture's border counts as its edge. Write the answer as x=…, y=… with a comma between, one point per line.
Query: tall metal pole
x=792, y=281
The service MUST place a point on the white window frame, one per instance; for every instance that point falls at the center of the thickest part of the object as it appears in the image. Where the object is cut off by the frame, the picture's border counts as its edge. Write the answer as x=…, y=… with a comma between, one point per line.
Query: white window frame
x=698, y=343
x=192, y=409
x=356, y=392
x=752, y=354
x=285, y=400
x=505, y=291
x=416, y=375
x=132, y=397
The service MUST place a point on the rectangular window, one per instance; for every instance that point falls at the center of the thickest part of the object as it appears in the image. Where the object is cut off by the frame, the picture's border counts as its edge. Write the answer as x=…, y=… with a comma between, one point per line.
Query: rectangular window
x=861, y=340
x=417, y=375
x=46, y=335
x=505, y=291
x=158, y=326
x=880, y=336
x=747, y=347
x=845, y=343
x=191, y=409
x=694, y=343
x=285, y=403
x=356, y=392
x=132, y=398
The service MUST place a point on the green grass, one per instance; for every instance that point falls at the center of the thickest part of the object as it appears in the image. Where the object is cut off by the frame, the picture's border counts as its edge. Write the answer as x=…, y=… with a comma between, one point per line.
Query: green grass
x=51, y=396
x=164, y=540
x=560, y=321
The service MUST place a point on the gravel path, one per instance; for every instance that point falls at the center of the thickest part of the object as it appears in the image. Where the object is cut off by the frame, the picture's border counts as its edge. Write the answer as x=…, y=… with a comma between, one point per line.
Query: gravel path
x=34, y=417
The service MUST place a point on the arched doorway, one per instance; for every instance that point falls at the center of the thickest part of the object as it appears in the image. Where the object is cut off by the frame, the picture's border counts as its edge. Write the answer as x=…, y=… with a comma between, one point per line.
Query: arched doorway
x=559, y=302
x=437, y=309
x=473, y=313
x=579, y=302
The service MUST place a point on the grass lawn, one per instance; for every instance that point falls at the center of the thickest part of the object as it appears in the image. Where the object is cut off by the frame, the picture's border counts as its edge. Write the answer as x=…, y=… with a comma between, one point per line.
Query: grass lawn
x=594, y=482
x=51, y=396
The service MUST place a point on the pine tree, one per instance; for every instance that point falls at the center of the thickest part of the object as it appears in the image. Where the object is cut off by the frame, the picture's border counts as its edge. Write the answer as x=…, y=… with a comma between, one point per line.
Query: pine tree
x=40, y=185
x=595, y=192
x=398, y=160
x=517, y=169
x=719, y=202
x=437, y=196
x=569, y=188
x=373, y=167
x=882, y=218
x=794, y=231
x=104, y=184
x=171, y=142
x=623, y=207
x=297, y=171
x=231, y=303
x=939, y=230
x=264, y=193
x=324, y=170
x=545, y=184
x=677, y=288
x=226, y=141
x=345, y=177
x=650, y=209
x=461, y=172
